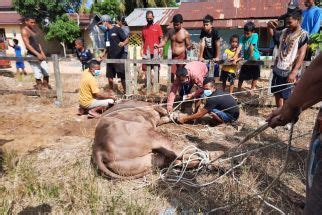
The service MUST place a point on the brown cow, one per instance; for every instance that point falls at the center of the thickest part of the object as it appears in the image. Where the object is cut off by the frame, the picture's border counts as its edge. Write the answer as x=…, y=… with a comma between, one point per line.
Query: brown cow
x=126, y=143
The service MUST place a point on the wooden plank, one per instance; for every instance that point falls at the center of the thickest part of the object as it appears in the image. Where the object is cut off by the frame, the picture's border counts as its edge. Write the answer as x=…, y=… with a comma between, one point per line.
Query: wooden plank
x=135, y=73
x=58, y=82
x=128, y=90
x=148, y=80
x=40, y=93
x=156, y=79
x=169, y=74
x=211, y=69
x=24, y=58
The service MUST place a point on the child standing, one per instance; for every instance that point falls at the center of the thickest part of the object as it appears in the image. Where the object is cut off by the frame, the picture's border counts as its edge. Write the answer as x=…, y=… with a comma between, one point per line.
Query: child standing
x=84, y=55
x=229, y=71
x=249, y=45
x=20, y=65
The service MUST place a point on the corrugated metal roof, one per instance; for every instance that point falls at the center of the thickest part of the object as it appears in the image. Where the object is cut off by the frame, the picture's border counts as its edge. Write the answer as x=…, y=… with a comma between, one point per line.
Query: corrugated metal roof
x=6, y=4
x=231, y=13
x=161, y=16
x=10, y=18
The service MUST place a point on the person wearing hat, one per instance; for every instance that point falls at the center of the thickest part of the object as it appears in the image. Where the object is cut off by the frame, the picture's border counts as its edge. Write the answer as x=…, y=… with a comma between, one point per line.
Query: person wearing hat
x=117, y=40
x=193, y=73
x=221, y=107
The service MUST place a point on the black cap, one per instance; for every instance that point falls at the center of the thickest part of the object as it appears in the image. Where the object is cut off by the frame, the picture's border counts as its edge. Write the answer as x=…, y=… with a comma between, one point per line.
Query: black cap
x=181, y=71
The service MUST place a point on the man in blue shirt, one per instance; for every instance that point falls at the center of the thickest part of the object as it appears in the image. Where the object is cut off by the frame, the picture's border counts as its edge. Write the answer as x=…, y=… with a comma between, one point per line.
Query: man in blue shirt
x=311, y=17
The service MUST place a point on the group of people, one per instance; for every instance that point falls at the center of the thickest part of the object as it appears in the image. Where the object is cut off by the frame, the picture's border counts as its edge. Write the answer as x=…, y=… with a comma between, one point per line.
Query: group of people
x=290, y=48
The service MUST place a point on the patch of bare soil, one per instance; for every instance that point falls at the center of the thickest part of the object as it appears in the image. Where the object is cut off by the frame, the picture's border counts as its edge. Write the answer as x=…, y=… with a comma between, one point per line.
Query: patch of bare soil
x=45, y=165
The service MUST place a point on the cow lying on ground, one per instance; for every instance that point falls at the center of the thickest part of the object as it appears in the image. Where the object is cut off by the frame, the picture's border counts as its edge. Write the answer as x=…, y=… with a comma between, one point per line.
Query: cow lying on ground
x=126, y=143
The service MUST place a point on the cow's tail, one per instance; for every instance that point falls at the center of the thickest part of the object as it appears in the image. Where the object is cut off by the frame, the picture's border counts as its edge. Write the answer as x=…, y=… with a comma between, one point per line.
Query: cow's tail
x=98, y=160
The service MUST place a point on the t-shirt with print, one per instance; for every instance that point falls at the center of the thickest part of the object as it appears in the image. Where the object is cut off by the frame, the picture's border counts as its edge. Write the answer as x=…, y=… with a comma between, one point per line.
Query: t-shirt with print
x=210, y=43
x=229, y=68
x=88, y=87
x=224, y=102
x=151, y=35
x=84, y=56
x=115, y=36
x=304, y=38
x=246, y=43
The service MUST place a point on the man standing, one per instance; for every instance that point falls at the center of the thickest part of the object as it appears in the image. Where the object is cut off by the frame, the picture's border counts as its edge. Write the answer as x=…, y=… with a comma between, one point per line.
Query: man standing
x=222, y=108
x=90, y=97
x=306, y=93
x=180, y=41
x=209, y=43
x=291, y=52
x=31, y=37
x=151, y=35
x=115, y=50
x=311, y=17
x=191, y=74
x=120, y=22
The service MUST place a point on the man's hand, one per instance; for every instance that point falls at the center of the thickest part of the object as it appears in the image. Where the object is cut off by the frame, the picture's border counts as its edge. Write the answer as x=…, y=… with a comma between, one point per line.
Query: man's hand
x=121, y=44
x=156, y=46
x=182, y=119
x=190, y=96
x=170, y=109
x=272, y=24
x=216, y=59
x=141, y=52
x=291, y=77
x=201, y=59
x=41, y=57
x=282, y=116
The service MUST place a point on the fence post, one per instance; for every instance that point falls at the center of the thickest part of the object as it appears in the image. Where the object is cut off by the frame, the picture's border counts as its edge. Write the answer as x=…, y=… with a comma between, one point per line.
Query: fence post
x=169, y=70
x=135, y=73
x=58, y=83
x=211, y=69
x=127, y=78
x=148, y=76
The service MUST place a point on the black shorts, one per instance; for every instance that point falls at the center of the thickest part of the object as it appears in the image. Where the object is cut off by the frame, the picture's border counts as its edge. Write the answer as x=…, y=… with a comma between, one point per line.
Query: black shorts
x=249, y=72
x=113, y=69
x=227, y=76
x=284, y=90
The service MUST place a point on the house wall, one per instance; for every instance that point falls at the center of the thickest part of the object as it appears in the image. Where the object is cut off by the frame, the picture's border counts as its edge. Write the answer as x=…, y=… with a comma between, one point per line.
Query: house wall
x=13, y=32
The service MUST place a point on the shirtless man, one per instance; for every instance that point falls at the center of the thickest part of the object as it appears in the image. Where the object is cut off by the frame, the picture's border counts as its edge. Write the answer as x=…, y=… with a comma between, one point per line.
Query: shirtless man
x=180, y=41
x=31, y=37
x=127, y=145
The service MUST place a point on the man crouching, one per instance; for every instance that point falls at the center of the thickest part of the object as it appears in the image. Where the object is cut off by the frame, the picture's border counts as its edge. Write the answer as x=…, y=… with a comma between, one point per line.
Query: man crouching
x=90, y=97
x=222, y=107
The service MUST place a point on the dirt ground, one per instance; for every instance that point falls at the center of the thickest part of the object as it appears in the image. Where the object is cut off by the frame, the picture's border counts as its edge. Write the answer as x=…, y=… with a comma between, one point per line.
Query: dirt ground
x=45, y=162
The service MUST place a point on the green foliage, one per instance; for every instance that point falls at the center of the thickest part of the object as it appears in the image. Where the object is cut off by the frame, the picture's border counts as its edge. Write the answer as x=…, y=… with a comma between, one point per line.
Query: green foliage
x=315, y=41
x=63, y=29
x=40, y=9
x=110, y=7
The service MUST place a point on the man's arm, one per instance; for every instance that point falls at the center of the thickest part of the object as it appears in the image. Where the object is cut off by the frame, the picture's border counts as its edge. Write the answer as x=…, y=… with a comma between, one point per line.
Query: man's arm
x=217, y=54
x=317, y=22
x=187, y=40
x=172, y=95
x=25, y=38
x=201, y=49
x=195, y=116
x=298, y=63
x=164, y=39
x=306, y=93
x=104, y=95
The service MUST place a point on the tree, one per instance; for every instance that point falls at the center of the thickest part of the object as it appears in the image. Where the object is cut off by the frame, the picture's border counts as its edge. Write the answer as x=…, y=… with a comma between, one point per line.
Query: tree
x=110, y=7
x=42, y=9
x=64, y=30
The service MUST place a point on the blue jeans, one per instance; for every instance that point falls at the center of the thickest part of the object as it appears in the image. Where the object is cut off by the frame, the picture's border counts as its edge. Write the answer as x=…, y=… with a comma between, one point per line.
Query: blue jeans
x=216, y=70
x=223, y=116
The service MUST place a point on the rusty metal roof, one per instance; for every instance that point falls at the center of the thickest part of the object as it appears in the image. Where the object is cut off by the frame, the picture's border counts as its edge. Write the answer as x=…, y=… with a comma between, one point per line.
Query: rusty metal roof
x=10, y=18
x=6, y=4
x=162, y=16
x=231, y=13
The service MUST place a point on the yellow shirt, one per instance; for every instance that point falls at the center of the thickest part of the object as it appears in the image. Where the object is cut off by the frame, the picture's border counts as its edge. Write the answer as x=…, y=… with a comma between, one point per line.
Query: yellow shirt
x=88, y=86
x=230, y=68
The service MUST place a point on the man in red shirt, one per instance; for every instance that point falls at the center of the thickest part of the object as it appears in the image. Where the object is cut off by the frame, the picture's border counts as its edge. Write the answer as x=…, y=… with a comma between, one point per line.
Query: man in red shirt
x=151, y=35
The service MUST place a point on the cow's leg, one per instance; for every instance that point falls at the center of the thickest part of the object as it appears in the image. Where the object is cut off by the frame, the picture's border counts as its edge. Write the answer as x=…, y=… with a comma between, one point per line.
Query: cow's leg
x=162, y=111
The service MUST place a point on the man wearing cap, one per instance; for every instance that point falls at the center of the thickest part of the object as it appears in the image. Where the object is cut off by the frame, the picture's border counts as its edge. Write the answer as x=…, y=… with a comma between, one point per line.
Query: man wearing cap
x=115, y=50
x=193, y=73
x=222, y=107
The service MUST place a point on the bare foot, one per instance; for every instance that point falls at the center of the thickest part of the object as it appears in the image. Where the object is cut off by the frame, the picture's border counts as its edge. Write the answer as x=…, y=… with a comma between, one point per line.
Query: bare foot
x=93, y=114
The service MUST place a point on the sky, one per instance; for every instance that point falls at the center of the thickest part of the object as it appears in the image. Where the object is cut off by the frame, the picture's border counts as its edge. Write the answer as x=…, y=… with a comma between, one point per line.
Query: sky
x=89, y=2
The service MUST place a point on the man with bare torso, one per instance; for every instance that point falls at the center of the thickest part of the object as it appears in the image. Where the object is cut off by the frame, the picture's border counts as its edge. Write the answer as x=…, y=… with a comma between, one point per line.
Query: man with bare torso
x=31, y=37
x=180, y=41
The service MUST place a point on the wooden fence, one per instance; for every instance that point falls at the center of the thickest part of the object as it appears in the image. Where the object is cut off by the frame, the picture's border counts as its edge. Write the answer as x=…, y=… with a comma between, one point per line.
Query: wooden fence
x=131, y=75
